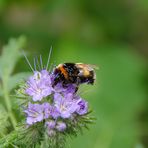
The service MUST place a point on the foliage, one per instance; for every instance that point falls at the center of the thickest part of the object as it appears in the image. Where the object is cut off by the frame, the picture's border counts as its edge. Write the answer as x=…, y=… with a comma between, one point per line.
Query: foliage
x=4, y=123
x=8, y=81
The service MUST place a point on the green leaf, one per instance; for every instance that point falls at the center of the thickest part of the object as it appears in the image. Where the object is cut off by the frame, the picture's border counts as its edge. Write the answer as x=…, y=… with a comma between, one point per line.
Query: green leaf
x=8, y=59
x=10, y=55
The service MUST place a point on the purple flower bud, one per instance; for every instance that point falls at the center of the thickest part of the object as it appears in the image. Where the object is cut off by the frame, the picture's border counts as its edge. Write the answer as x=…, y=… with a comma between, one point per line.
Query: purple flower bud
x=82, y=107
x=50, y=124
x=61, y=126
x=51, y=132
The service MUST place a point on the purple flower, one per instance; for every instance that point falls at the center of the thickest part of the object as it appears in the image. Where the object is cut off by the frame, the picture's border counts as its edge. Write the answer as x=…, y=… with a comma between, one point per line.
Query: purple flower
x=35, y=113
x=82, y=107
x=50, y=111
x=54, y=112
x=66, y=105
x=50, y=124
x=61, y=126
x=39, y=85
x=70, y=88
x=47, y=108
x=59, y=88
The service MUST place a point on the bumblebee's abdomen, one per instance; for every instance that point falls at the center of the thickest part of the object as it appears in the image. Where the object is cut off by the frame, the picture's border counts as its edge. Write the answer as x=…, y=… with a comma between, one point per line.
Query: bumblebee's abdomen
x=89, y=78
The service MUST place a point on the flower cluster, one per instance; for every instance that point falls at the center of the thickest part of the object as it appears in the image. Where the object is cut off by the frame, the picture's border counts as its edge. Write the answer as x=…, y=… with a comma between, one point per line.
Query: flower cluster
x=53, y=106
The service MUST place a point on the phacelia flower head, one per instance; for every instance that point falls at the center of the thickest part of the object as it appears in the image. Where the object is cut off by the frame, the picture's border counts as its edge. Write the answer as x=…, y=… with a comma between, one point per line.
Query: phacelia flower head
x=53, y=109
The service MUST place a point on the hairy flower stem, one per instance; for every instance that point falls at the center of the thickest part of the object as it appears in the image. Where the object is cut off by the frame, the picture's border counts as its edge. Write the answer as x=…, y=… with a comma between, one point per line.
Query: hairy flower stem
x=9, y=106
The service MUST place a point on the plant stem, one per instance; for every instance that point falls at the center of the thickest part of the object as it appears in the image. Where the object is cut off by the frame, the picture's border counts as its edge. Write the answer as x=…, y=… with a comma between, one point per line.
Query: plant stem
x=9, y=106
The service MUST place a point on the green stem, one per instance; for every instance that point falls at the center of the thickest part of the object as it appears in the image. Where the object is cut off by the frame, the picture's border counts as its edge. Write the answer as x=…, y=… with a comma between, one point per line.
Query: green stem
x=9, y=106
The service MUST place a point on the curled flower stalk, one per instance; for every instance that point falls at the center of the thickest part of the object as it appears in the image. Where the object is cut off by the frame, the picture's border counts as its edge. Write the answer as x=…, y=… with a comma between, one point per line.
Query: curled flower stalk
x=51, y=113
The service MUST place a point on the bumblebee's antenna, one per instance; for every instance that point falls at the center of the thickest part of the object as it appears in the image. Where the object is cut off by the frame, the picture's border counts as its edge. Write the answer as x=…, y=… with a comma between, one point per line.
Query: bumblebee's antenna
x=27, y=61
x=49, y=58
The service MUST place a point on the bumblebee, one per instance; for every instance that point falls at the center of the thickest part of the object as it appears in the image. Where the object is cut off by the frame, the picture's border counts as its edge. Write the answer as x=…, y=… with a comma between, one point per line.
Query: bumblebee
x=74, y=73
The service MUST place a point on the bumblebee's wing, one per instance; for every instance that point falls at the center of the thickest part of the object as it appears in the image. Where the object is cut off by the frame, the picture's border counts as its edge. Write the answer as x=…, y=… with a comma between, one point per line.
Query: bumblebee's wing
x=93, y=66
x=88, y=66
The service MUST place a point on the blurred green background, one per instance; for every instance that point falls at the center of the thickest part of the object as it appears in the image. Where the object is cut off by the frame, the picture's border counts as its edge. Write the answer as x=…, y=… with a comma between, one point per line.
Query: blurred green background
x=110, y=34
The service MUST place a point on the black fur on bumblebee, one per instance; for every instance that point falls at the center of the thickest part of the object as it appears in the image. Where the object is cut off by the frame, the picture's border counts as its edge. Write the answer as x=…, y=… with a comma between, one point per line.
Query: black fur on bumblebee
x=74, y=73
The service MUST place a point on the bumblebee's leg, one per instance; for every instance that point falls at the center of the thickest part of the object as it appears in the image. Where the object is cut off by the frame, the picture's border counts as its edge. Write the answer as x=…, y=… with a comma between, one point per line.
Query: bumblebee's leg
x=76, y=89
x=55, y=82
x=91, y=81
x=78, y=80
